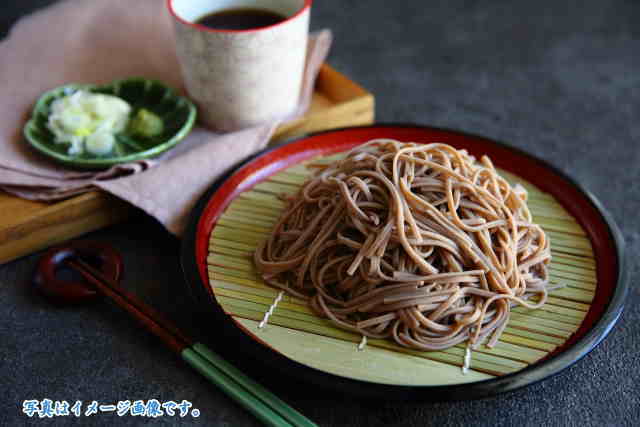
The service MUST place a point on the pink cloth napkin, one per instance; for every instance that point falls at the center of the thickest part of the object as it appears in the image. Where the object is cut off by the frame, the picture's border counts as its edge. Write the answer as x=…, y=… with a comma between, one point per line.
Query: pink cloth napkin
x=96, y=41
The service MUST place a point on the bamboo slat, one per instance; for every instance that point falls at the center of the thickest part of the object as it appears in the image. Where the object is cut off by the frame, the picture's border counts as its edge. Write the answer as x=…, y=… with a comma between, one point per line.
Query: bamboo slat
x=403, y=368
x=297, y=332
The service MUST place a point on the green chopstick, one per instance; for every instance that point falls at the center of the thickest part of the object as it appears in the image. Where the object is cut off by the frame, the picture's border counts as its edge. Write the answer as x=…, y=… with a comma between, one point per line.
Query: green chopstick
x=265, y=395
x=266, y=406
x=258, y=400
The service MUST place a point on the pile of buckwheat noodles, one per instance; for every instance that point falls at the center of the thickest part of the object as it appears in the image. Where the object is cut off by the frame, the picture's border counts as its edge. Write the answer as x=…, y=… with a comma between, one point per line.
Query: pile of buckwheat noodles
x=416, y=243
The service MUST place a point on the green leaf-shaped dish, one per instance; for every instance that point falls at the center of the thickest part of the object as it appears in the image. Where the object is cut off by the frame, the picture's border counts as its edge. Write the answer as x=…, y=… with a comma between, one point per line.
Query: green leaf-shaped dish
x=178, y=115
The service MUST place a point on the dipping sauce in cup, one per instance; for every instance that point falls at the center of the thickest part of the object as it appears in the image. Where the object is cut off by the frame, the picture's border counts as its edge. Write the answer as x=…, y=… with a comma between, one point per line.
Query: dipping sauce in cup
x=242, y=18
x=242, y=60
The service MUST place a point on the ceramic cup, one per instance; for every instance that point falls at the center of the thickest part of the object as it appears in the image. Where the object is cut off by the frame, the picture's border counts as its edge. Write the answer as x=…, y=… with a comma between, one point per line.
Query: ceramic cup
x=241, y=78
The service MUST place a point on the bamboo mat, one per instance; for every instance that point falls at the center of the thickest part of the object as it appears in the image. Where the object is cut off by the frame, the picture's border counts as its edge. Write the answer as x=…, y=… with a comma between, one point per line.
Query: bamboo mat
x=295, y=331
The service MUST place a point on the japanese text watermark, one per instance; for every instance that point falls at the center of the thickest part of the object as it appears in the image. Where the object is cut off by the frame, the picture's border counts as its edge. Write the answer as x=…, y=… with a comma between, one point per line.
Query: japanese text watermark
x=152, y=408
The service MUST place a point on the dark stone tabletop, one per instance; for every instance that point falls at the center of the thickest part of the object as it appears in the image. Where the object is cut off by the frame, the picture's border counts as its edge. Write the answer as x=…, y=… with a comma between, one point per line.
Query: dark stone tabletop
x=560, y=79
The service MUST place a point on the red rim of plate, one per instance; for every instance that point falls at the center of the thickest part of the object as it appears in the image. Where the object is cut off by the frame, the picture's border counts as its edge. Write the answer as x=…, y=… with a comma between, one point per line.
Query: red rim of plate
x=600, y=228
x=307, y=4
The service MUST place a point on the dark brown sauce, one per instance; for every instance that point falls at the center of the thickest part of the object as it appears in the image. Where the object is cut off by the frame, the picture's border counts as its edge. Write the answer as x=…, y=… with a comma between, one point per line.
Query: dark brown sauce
x=240, y=19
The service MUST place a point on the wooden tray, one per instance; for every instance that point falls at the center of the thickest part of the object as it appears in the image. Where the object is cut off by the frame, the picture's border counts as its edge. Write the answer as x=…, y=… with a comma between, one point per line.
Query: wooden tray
x=27, y=226
x=238, y=213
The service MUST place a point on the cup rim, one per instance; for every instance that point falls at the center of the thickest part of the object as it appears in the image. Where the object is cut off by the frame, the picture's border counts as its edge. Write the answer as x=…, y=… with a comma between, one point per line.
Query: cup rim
x=305, y=6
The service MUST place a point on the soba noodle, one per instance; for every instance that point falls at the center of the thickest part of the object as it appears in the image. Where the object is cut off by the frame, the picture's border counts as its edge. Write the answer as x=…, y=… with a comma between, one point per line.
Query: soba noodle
x=420, y=244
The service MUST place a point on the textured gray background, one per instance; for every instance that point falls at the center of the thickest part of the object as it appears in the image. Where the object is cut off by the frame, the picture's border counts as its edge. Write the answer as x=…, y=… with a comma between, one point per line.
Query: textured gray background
x=559, y=79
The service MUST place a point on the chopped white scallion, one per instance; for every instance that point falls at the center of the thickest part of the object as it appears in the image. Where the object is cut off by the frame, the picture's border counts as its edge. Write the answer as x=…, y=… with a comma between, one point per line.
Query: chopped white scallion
x=81, y=116
x=100, y=143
